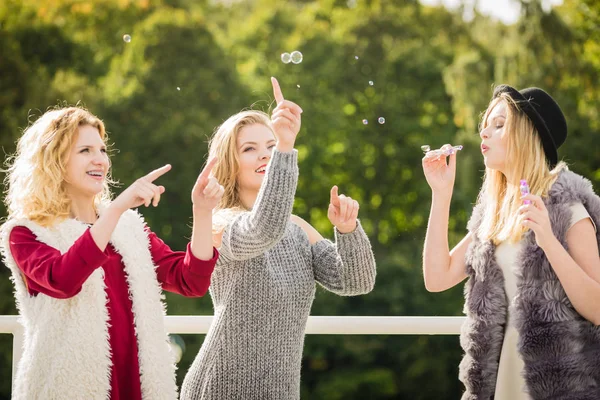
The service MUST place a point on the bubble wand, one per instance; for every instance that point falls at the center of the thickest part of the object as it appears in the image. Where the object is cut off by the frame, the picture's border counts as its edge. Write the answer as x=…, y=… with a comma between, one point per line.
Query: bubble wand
x=524, y=190
x=444, y=151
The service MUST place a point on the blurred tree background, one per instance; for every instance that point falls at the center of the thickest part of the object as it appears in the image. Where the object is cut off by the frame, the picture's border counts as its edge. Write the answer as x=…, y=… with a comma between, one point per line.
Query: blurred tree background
x=192, y=63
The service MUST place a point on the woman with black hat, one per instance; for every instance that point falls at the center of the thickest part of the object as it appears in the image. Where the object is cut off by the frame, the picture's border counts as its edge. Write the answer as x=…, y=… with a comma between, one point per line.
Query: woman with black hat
x=532, y=260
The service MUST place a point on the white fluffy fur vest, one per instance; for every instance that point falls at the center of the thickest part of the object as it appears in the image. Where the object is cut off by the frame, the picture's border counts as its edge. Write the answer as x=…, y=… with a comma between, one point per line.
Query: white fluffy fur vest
x=66, y=351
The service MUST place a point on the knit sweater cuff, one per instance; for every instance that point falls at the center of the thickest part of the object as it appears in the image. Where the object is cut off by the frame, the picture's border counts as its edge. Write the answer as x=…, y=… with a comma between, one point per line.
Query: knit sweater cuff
x=355, y=238
x=284, y=161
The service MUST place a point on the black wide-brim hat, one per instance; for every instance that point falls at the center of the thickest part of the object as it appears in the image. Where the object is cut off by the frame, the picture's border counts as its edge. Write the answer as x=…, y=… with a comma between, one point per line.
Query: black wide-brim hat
x=545, y=114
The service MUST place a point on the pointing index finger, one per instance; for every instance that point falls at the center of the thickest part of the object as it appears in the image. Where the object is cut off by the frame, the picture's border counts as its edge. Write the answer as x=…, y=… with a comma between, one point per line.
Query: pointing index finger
x=209, y=166
x=277, y=90
x=157, y=173
x=335, y=199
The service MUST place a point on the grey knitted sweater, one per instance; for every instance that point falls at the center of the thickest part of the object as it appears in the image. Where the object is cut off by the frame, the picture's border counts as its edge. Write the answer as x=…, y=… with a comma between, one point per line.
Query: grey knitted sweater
x=262, y=290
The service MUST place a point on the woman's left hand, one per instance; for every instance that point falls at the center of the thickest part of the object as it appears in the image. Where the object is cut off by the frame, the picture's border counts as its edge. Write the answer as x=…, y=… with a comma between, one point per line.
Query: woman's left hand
x=343, y=211
x=535, y=217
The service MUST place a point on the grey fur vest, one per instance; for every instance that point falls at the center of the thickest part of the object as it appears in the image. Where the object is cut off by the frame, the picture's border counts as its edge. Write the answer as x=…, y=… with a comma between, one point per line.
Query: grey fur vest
x=560, y=349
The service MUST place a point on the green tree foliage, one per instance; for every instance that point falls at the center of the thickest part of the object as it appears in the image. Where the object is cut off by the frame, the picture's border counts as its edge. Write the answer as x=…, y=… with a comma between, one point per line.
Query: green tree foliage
x=191, y=64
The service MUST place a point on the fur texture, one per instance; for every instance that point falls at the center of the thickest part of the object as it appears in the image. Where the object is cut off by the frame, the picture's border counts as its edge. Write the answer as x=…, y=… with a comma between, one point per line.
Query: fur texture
x=66, y=348
x=560, y=349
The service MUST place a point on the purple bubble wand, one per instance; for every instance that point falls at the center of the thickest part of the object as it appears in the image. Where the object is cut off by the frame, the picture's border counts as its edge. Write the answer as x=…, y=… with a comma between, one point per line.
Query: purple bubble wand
x=524, y=190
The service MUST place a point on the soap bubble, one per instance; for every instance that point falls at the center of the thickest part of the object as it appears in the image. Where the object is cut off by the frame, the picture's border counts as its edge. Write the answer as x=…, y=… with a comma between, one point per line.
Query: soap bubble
x=298, y=86
x=356, y=57
x=296, y=57
x=178, y=88
x=381, y=120
x=371, y=83
x=286, y=58
x=365, y=122
x=126, y=38
x=425, y=148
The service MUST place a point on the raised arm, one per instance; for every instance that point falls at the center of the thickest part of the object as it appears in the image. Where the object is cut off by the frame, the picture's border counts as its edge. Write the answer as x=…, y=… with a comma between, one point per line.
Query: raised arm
x=347, y=267
x=206, y=194
x=142, y=191
x=252, y=233
x=442, y=268
x=181, y=272
x=577, y=268
x=46, y=270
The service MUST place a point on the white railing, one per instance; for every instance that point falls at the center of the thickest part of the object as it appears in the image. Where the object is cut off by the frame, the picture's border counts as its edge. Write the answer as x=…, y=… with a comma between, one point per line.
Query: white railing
x=326, y=325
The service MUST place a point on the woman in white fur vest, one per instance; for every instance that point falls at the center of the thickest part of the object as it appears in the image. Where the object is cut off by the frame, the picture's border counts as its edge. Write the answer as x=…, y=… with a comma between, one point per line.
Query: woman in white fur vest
x=531, y=259
x=88, y=272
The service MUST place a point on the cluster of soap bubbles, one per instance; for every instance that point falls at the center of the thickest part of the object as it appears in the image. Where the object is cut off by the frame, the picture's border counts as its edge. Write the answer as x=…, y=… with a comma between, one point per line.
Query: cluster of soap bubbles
x=381, y=120
x=295, y=57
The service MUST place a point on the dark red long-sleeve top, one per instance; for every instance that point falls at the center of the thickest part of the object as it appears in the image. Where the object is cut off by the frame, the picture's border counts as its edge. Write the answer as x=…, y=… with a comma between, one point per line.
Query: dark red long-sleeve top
x=62, y=276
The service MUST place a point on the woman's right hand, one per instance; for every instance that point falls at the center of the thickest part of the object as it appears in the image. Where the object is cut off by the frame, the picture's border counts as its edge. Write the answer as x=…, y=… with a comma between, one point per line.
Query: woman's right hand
x=286, y=120
x=439, y=173
x=142, y=191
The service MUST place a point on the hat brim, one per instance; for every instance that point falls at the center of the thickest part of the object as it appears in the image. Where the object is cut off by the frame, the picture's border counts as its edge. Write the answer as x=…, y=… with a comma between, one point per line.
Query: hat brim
x=550, y=148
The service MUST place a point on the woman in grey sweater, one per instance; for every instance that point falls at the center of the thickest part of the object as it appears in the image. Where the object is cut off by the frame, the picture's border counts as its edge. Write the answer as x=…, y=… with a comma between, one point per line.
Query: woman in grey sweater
x=264, y=282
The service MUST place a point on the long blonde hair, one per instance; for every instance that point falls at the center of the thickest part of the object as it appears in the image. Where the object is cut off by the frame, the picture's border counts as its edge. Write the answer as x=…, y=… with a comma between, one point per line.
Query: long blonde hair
x=35, y=176
x=525, y=159
x=223, y=145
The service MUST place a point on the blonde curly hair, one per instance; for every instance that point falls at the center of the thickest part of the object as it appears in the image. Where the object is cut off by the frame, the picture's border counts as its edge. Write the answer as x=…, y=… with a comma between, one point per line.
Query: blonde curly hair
x=36, y=172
